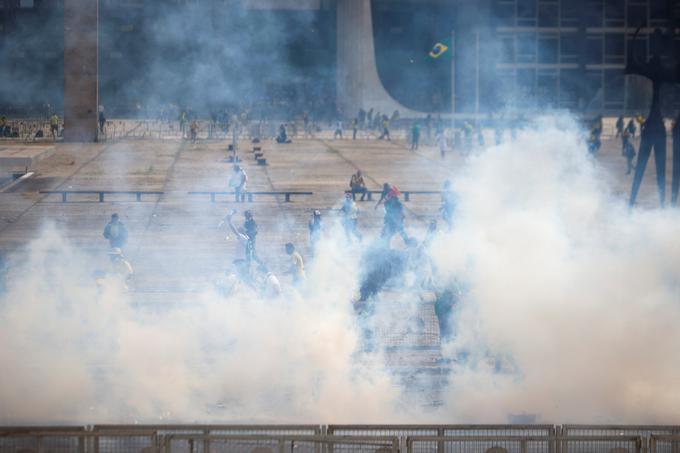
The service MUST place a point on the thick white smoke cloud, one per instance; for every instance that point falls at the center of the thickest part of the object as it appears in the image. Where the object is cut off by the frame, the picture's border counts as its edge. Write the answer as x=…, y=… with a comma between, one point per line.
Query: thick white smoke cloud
x=572, y=299
x=570, y=312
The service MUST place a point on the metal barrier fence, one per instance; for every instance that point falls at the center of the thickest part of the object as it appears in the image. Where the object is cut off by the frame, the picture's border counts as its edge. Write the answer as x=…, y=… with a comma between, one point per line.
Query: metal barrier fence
x=279, y=444
x=58, y=441
x=643, y=431
x=664, y=444
x=523, y=444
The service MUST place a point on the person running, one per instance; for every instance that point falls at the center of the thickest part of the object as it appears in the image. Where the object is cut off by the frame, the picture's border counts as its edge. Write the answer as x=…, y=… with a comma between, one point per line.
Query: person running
x=115, y=232
x=350, y=216
x=393, y=221
x=120, y=267
x=238, y=182
x=357, y=185
x=297, y=265
x=415, y=136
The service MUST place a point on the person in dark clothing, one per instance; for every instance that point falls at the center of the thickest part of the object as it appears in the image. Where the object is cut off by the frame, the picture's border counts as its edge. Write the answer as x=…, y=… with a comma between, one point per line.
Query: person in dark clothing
x=619, y=127
x=415, y=136
x=628, y=151
x=102, y=121
x=282, y=137
x=631, y=128
x=358, y=185
x=393, y=221
x=250, y=227
x=244, y=239
x=115, y=232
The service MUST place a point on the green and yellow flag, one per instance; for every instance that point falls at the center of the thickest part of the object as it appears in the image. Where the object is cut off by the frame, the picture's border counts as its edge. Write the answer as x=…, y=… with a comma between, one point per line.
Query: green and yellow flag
x=438, y=50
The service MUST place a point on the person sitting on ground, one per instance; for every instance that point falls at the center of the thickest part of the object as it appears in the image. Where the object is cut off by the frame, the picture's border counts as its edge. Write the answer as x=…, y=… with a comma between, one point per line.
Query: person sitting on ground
x=115, y=232
x=297, y=267
x=238, y=182
x=282, y=137
x=357, y=185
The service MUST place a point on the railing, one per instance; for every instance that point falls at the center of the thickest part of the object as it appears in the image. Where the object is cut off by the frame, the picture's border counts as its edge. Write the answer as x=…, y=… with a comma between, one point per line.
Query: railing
x=270, y=444
x=404, y=431
x=249, y=195
x=76, y=441
x=523, y=444
x=664, y=443
x=407, y=193
x=101, y=193
x=643, y=431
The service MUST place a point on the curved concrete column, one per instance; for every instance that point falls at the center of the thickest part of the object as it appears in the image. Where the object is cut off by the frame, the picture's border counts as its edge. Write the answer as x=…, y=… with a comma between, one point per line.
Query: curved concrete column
x=358, y=83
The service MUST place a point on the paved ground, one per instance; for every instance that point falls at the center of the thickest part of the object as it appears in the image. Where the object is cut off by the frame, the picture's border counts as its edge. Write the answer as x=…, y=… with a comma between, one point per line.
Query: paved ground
x=175, y=244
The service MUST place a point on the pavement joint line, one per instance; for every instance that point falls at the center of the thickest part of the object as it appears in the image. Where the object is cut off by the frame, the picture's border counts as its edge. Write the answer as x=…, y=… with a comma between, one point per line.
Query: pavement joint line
x=65, y=181
x=168, y=175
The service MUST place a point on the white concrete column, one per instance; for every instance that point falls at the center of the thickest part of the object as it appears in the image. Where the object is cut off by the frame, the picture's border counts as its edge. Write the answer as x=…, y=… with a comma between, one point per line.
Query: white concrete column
x=358, y=83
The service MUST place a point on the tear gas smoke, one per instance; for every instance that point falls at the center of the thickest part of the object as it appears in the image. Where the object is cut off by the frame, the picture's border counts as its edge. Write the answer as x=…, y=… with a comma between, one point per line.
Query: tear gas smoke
x=570, y=312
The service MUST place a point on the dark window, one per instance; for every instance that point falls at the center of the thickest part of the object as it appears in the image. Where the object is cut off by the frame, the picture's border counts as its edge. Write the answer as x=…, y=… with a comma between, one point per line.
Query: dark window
x=547, y=49
x=526, y=9
x=594, y=50
x=526, y=47
x=546, y=87
x=593, y=90
x=593, y=13
x=614, y=47
x=614, y=13
x=569, y=13
x=569, y=47
x=505, y=13
x=507, y=49
x=548, y=15
x=638, y=47
x=637, y=16
x=570, y=81
x=658, y=10
x=614, y=88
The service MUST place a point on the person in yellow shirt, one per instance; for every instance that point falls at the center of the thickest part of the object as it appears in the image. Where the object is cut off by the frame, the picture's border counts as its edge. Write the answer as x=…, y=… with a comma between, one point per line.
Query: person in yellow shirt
x=297, y=265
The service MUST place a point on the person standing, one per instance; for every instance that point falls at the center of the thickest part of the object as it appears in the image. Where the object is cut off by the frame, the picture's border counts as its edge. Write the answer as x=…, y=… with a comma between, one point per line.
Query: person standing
x=350, y=216
x=440, y=140
x=238, y=182
x=54, y=126
x=628, y=152
x=415, y=136
x=338, y=130
x=619, y=127
x=355, y=128
x=386, y=128
x=243, y=238
x=102, y=120
x=115, y=232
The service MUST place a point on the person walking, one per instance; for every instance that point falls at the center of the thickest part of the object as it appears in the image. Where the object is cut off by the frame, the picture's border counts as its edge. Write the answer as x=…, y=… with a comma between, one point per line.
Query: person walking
x=415, y=136
x=115, y=232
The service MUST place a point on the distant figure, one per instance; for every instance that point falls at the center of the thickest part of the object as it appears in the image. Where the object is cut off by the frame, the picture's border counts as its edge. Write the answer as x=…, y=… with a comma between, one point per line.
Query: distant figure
x=183, y=120
x=631, y=128
x=355, y=128
x=440, y=140
x=357, y=185
x=594, y=142
x=266, y=282
x=250, y=227
x=297, y=265
x=387, y=188
x=54, y=126
x=393, y=221
x=428, y=129
x=350, y=216
x=314, y=229
x=338, y=130
x=628, y=152
x=238, y=182
x=619, y=126
x=115, y=232
x=102, y=121
x=282, y=137
x=193, y=129
x=415, y=136
x=467, y=136
x=386, y=129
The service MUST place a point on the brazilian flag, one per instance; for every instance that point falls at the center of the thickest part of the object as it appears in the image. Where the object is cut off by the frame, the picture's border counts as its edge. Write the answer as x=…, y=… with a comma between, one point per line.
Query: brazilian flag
x=439, y=49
